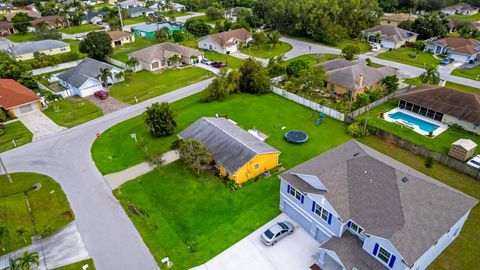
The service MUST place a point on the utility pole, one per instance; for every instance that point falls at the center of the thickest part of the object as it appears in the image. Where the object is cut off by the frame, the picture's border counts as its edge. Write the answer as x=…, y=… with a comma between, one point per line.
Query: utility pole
x=120, y=16
x=6, y=172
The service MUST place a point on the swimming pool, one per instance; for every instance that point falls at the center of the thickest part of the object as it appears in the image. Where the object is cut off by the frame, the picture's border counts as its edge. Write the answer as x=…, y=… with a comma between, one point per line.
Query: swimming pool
x=412, y=120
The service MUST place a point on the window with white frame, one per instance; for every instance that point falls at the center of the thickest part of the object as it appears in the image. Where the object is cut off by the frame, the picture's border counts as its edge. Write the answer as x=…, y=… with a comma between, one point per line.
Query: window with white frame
x=257, y=166
x=384, y=255
x=356, y=228
x=295, y=193
x=321, y=212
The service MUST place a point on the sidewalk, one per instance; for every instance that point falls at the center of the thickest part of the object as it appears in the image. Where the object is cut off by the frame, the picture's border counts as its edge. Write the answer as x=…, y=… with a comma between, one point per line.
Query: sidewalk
x=117, y=179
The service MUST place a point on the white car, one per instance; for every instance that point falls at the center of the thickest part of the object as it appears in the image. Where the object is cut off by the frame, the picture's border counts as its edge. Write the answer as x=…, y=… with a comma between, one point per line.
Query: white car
x=78, y=37
x=475, y=162
x=375, y=46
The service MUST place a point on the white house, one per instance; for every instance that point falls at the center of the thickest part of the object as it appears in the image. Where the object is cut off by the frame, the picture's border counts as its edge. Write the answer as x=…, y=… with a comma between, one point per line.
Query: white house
x=391, y=37
x=458, y=48
x=461, y=9
x=369, y=211
x=225, y=42
x=83, y=80
x=131, y=3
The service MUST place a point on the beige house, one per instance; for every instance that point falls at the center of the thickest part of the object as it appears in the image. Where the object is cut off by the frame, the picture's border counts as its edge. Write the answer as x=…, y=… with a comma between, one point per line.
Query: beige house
x=396, y=19
x=119, y=38
x=162, y=56
x=389, y=36
x=27, y=50
x=353, y=76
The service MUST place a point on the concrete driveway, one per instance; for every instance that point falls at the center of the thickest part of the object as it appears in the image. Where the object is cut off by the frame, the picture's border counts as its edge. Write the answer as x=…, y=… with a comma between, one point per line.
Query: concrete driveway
x=108, y=105
x=5, y=43
x=297, y=251
x=40, y=125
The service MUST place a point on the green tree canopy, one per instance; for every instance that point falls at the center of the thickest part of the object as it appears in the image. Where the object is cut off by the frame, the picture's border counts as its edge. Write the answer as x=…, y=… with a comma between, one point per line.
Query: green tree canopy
x=295, y=67
x=21, y=21
x=194, y=154
x=350, y=51
x=253, y=77
x=97, y=45
x=160, y=119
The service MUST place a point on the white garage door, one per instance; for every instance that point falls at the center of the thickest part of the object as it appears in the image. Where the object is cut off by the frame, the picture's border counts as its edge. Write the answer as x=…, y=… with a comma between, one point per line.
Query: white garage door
x=25, y=109
x=295, y=215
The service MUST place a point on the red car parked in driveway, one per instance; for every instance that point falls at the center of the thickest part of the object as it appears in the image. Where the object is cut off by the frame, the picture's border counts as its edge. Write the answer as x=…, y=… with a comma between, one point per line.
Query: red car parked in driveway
x=102, y=95
x=218, y=65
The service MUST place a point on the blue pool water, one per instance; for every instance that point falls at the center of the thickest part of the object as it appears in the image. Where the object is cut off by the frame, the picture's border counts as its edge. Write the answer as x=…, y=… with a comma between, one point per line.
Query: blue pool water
x=424, y=125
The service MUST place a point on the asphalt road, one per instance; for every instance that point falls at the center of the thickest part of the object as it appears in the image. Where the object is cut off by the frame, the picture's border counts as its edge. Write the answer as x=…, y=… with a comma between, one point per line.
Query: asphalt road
x=109, y=236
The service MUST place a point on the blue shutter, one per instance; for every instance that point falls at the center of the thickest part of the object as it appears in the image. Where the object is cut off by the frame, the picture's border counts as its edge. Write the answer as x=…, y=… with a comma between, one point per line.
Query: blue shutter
x=375, y=249
x=329, y=218
x=313, y=206
x=349, y=224
x=392, y=261
x=301, y=199
x=288, y=189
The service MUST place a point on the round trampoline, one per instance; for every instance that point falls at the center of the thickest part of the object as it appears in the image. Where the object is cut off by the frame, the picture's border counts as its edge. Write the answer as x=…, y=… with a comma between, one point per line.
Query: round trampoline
x=296, y=136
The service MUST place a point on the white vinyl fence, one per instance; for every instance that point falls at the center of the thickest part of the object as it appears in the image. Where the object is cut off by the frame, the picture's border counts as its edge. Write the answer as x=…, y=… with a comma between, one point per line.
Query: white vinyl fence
x=308, y=103
x=61, y=66
x=123, y=65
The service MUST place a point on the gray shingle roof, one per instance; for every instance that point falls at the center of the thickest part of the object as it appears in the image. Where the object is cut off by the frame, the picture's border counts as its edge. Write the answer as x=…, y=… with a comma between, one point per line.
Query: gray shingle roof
x=35, y=46
x=229, y=145
x=88, y=68
x=367, y=187
x=139, y=9
x=391, y=32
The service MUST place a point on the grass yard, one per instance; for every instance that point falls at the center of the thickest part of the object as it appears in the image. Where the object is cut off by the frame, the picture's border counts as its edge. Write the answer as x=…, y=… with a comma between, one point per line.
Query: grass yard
x=98, y=7
x=266, y=51
x=175, y=14
x=80, y=29
x=459, y=254
x=471, y=18
x=232, y=62
x=469, y=73
x=455, y=86
x=208, y=20
x=78, y=265
x=14, y=131
x=145, y=84
x=73, y=111
x=313, y=59
x=401, y=55
x=440, y=143
x=121, y=52
x=116, y=151
x=364, y=46
x=49, y=204
x=128, y=21
x=28, y=36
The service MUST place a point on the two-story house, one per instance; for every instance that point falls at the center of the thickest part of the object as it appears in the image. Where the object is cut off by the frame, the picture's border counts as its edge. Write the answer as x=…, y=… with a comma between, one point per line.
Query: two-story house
x=370, y=211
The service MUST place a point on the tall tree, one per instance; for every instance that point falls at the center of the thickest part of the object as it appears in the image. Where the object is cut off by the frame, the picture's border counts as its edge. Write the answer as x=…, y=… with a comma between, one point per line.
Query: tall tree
x=105, y=73
x=350, y=51
x=174, y=59
x=97, y=45
x=431, y=75
x=21, y=21
x=194, y=154
x=27, y=259
x=273, y=38
x=253, y=77
x=160, y=119
x=132, y=63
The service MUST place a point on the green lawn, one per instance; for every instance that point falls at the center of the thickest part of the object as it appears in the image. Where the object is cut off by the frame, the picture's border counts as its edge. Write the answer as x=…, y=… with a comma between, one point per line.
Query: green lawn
x=78, y=265
x=175, y=14
x=28, y=36
x=208, y=20
x=232, y=62
x=472, y=18
x=266, y=51
x=145, y=84
x=364, y=46
x=100, y=6
x=115, y=150
x=313, y=59
x=402, y=55
x=14, y=131
x=440, y=143
x=135, y=20
x=73, y=111
x=455, y=86
x=49, y=204
x=80, y=29
x=459, y=254
x=469, y=73
x=121, y=52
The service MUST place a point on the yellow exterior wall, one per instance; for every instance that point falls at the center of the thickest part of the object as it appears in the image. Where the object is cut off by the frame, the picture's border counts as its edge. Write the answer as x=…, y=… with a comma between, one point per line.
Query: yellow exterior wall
x=124, y=40
x=265, y=162
x=28, y=56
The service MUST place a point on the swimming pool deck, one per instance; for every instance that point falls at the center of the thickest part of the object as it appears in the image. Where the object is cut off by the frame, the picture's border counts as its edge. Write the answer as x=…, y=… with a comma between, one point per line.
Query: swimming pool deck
x=441, y=126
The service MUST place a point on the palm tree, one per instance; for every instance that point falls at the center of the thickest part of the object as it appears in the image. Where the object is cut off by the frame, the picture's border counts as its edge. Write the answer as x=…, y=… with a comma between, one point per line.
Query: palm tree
x=52, y=98
x=378, y=36
x=119, y=75
x=273, y=38
x=21, y=233
x=194, y=59
x=132, y=63
x=27, y=259
x=431, y=74
x=4, y=233
x=105, y=73
x=174, y=59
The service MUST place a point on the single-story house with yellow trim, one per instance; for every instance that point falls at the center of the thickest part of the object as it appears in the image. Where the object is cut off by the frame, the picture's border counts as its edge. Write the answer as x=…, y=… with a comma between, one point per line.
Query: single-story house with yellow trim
x=240, y=156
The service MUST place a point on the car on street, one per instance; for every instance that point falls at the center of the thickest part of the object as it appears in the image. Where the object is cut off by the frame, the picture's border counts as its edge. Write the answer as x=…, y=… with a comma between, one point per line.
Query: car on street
x=218, y=65
x=277, y=232
x=78, y=37
x=102, y=95
x=206, y=61
x=446, y=61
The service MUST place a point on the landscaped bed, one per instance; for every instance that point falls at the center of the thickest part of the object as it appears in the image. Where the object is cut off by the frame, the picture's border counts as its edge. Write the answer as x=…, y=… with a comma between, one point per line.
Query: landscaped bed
x=14, y=131
x=49, y=204
x=145, y=84
x=404, y=56
x=80, y=29
x=73, y=111
x=267, y=51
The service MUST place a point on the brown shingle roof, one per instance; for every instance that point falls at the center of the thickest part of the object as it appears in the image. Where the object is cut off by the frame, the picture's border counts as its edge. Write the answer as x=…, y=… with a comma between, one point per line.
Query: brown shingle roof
x=224, y=38
x=116, y=35
x=5, y=25
x=50, y=20
x=460, y=45
x=462, y=105
x=30, y=13
x=13, y=94
x=164, y=50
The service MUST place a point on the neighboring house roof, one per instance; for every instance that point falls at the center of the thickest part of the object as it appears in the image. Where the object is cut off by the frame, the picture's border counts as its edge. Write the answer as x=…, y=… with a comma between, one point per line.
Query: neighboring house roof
x=461, y=7
x=13, y=94
x=163, y=50
x=131, y=3
x=6, y=26
x=229, y=145
x=225, y=38
x=460, y=45
x=391, y=33
x=30, y=13
x=87, y=69
x=138, y=9
x=116, y=35
x=347, y=73
x=399, y=17
x=35, y=46
x=153, y=27
x=47, y=19
x=91, y=15
x=466, y=144
x=461, y=105
x=386, y=198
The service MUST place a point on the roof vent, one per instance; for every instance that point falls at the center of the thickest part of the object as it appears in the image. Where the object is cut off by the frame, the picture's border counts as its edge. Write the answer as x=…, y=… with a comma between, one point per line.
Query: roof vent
x=356, y=154
x=405, y=179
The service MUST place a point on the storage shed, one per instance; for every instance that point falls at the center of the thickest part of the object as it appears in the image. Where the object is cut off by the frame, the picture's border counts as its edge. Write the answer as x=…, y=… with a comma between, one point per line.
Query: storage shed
x=462, y=149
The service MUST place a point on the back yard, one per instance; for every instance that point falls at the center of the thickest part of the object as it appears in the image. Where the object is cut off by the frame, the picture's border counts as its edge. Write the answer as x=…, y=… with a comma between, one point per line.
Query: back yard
x=145, y=84
x=73, y=111
x=266, y=51
x=410, y=56
x=121, y=52
x=77, y=29
x=14, y=131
